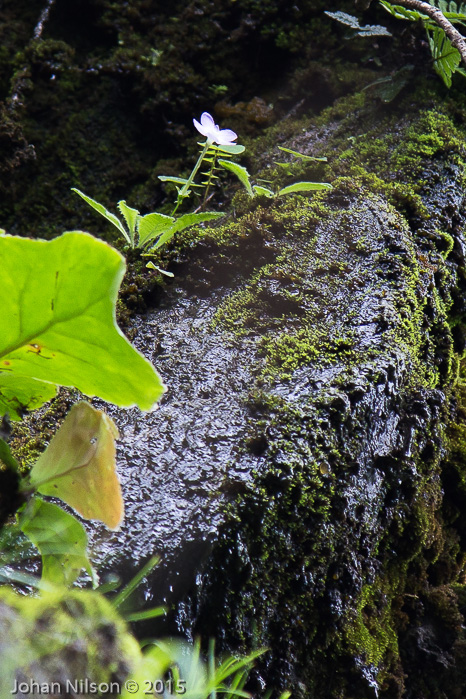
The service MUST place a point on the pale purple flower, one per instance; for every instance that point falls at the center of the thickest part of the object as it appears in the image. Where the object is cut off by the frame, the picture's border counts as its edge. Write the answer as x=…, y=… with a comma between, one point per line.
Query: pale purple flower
x=212, y=132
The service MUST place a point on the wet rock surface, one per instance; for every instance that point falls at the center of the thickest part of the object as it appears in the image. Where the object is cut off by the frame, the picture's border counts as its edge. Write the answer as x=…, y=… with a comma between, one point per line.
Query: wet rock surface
x=175, y=461
x=304, y=478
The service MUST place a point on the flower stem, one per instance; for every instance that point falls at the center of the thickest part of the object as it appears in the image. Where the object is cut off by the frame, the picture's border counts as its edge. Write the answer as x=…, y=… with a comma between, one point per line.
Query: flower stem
x=183, y=191
x=211, y=174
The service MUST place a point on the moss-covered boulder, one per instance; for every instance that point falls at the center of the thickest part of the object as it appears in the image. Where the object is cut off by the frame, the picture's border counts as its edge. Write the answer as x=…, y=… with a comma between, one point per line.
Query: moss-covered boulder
x=345, y=556
x=64, y=643
x=304, y=478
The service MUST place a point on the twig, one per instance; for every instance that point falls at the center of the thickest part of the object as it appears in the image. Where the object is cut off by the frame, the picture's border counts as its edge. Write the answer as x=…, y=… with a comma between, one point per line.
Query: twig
x=457, y=39
x=201, y=206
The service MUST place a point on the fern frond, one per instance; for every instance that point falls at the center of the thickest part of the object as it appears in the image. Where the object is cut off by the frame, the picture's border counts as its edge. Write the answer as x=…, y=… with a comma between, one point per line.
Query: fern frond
x=353, y=22
x=455, y=12
x=446, y=58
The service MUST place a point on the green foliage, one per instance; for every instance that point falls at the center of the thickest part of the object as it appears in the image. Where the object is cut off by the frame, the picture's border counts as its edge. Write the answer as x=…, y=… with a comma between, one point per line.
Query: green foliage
x=304, y=187
x=353, y=22
x=188, y=674
x=53, y=336
x=446, y=58
x=60, y=538
x=240, y=172
x=131, y=217
x=258, y=190
x=302, y=156
x=105, y=213
x=141, y=229
x=154, y=230
x=401, y=12
x=453, y=11
x=152, y=226
x=263, y=191
x=78, y=466
x=183, y=222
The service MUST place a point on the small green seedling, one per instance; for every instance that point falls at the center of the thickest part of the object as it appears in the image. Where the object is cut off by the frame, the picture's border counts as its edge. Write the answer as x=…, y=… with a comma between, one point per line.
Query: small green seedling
x=258, y=190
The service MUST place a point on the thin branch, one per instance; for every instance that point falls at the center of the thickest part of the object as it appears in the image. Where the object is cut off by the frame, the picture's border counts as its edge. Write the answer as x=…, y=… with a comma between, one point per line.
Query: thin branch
x=44, y=15
x=457, y=39
x=199, y=208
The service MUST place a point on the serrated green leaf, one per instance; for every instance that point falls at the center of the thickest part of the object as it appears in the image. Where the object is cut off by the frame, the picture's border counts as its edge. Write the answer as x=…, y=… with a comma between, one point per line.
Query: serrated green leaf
x=188, y=220
x=446, y=57
x=301, y=155
x=152, y=225
x=131, y=217
x=304, y=187
x=103, y=212
x=263, y=191
x=78, y=466
x=60, y=538
x=241, y=173
x=402, y=12
x=52, y=334
x=344, y=18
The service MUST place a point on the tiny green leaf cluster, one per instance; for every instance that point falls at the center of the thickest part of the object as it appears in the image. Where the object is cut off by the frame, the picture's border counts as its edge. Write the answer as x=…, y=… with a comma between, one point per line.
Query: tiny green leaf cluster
x=259, y=190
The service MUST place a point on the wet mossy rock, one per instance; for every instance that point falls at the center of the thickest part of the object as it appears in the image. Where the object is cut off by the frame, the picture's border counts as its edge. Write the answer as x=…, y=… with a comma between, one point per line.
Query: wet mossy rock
x=62, y=637
x=346, y=554
x=310, y=451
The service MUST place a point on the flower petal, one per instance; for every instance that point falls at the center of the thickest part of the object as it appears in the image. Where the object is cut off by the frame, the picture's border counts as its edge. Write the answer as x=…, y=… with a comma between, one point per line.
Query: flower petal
x=207, y=121
x=224, y=137
x=200, y=128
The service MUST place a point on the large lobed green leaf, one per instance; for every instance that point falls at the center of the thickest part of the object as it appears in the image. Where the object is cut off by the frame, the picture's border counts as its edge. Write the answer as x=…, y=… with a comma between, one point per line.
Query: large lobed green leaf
x=57, y=314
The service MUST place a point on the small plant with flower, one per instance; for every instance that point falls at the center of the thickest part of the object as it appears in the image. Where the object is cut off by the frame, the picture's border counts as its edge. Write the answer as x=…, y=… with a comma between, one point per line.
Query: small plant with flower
x=151, y=231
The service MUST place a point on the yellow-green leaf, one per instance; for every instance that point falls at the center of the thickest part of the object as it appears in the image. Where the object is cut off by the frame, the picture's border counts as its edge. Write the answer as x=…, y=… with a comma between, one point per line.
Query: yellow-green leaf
x=78, y=466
